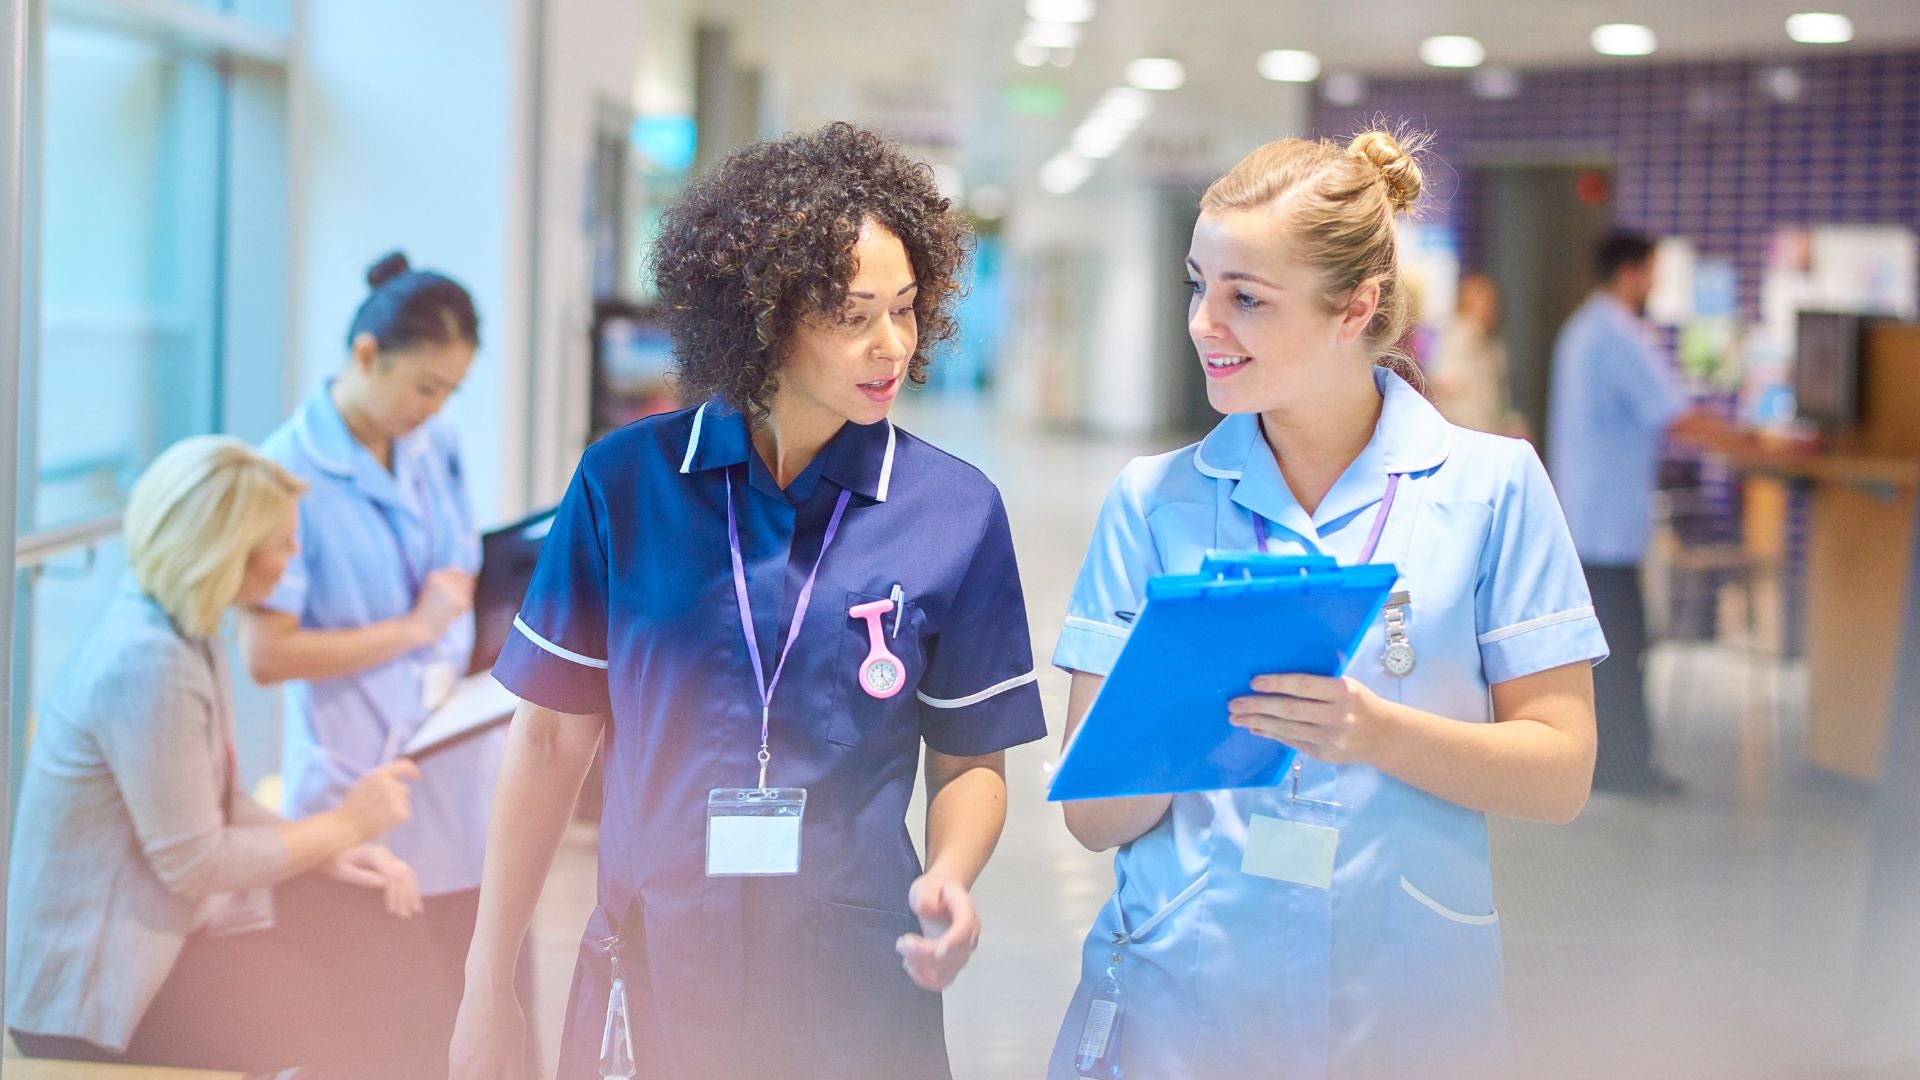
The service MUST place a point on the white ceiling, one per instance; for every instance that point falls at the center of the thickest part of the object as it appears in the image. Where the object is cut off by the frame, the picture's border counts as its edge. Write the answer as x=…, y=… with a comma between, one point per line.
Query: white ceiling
x=858, y=58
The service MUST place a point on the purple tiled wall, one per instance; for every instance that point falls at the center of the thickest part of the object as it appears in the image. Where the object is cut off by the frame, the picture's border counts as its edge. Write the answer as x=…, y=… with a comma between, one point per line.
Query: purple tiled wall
x=1706, y=150
x=1720, y=152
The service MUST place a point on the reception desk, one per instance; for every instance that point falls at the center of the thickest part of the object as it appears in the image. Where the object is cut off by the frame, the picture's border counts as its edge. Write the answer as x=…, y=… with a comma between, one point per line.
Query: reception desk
x=1862, y=487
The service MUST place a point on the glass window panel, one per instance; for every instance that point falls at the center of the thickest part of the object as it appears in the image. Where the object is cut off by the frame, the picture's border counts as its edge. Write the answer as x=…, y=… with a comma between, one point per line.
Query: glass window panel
x=127, y=360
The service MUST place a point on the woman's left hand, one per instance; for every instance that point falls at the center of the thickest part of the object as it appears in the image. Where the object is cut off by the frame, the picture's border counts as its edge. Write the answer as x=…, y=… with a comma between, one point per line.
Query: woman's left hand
x=1336, y=720
x=949, y=931
x=371, y=866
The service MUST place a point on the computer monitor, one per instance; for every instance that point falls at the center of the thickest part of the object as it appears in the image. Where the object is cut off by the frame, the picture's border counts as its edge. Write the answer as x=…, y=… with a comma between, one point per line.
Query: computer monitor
x=507, y=558
x=1826, y=369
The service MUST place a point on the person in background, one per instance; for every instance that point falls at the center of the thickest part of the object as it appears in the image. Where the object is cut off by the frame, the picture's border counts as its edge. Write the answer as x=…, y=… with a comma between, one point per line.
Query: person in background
x=372, y=624
x=1613, y=403
x=156, y=914
x=1468, y=378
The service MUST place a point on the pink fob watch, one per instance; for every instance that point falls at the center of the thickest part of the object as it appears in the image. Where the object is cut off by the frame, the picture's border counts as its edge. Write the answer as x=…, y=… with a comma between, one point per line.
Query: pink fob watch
x=881, y=673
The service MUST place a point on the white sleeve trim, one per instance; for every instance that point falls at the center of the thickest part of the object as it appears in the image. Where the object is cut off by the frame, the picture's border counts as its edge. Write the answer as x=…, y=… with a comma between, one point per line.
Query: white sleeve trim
x=975, y=699
x=1517, y=629
x=564, y=654
x=1075, y=622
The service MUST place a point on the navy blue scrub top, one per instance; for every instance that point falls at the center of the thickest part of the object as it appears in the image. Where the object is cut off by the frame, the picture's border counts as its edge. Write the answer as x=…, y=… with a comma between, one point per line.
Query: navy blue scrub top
x=632, y=613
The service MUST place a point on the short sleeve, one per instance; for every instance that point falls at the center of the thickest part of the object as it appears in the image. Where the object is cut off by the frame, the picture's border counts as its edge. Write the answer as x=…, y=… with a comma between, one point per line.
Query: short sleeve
x=1111, y=587
x=557, y=655
x=289, y=596
x=1649, y=389
x=1531, y=605
x=978, y=693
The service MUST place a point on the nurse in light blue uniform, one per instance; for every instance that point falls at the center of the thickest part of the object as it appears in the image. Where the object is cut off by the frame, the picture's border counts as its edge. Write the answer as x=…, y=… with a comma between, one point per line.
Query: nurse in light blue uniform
x=372, y=622
x=1342, y=924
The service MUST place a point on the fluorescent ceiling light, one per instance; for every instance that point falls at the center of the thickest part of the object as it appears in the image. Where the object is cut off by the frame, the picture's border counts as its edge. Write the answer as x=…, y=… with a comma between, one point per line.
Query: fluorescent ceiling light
x=1289, y=65
x=1452, y=51
x=1029, y=54
x=1495, y=84
x=1052, y=35
x=1124, y=103
x=1820, y=28
x=1157, y=73
x=1097, y=142
x=1623, y=39
x=1064, y=173
x=1060, y=11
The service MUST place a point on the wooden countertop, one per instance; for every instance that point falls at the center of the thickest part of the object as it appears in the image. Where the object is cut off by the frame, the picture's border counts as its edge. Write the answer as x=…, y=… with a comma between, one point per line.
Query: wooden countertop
x=1798, y=462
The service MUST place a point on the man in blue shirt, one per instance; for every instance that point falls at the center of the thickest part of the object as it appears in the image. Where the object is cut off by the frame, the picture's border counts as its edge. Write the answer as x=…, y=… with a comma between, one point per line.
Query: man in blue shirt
x=1612, y=405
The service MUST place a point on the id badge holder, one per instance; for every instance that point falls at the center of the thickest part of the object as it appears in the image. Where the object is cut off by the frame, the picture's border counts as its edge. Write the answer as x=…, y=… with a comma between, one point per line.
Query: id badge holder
x=1298, y=842
x=754, y=832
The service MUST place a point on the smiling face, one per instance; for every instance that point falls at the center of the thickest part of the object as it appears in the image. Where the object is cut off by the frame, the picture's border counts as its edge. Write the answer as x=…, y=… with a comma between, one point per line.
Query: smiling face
x=850, y=364
x=1259, y=319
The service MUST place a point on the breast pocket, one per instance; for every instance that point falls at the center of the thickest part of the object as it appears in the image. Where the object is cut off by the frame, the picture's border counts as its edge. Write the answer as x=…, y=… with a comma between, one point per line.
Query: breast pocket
x=862, y=717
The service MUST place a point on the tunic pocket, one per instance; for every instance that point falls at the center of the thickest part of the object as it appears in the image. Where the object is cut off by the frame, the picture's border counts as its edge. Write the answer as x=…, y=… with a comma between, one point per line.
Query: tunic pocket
x=859, y=718
x=1454, y=1013
x=871, y=1019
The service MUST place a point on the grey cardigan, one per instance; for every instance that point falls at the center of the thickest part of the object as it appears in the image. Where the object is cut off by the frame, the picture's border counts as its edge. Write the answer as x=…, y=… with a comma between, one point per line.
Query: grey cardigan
x=129, y=817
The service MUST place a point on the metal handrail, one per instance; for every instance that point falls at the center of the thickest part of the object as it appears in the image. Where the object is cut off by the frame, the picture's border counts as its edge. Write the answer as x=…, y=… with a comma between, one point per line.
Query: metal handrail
x=39, y=548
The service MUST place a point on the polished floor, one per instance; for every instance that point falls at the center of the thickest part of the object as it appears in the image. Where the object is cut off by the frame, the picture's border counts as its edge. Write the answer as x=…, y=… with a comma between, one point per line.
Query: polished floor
x=1719, y=934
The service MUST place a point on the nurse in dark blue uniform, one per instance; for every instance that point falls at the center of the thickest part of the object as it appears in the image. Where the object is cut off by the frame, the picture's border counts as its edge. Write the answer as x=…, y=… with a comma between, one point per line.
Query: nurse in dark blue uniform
x=776, y=591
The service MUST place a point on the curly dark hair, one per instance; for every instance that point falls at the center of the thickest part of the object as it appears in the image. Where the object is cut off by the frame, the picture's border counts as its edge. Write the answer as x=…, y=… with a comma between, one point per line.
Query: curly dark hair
x=766, y=240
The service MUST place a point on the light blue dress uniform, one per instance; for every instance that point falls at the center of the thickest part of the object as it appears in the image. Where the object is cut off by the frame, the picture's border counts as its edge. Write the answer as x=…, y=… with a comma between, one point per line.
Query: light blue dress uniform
x=1612, y=401
x=368, y=539
x=1395, y=969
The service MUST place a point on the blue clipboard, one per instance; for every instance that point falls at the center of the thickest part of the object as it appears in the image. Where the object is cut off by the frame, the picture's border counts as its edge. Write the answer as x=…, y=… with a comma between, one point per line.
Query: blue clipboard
x=1160, y=724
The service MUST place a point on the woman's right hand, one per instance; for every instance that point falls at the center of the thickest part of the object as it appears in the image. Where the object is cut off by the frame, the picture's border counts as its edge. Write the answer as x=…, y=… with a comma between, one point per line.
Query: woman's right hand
x=381, y=799
x=489, y=1035
x=444, y=597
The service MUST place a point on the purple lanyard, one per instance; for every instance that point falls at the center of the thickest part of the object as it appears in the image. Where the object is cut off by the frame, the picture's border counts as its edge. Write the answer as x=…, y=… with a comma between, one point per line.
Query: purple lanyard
x=423, y=505
x=1373, y=535
x=800, y=606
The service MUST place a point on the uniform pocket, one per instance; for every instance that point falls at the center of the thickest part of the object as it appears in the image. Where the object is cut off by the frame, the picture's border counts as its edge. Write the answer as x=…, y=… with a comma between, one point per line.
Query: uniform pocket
x=872, y=1021
x=1454, y=1010
x=859, y=718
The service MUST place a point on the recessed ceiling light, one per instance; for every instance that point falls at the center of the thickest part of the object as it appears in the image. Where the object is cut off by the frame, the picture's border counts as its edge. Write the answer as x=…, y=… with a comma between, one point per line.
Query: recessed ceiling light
x=1289, y=65
x=1157, y=73
x=1452, y=51
x=1030, y=54
x=1067, y=11
x=1623, y=39
x=1342, y=88
x=1052, y=35
x=1060, y=57
x=1495, y=84
x=1820, y=28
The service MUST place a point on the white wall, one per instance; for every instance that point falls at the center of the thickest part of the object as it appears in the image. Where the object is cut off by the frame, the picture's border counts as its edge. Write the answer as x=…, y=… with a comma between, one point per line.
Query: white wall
x=633, y=56
x=409, y=130
x=433, y=126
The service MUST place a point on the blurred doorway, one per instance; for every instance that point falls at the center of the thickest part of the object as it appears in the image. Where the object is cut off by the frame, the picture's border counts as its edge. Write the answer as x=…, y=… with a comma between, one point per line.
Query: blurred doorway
x=1540, y=225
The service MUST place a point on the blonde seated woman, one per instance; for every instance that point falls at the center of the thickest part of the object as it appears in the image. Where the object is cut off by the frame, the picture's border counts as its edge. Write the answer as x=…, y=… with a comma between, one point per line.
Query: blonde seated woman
x=157, y=914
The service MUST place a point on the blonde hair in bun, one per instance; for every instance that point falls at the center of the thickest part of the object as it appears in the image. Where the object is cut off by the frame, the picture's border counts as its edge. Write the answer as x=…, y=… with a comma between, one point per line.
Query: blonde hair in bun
x=1395, y=164
x=1339, y=204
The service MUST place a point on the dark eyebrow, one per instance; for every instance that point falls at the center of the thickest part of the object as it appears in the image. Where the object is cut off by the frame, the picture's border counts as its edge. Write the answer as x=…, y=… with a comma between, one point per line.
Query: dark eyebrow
x=904, y=290
x=1235, y=275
